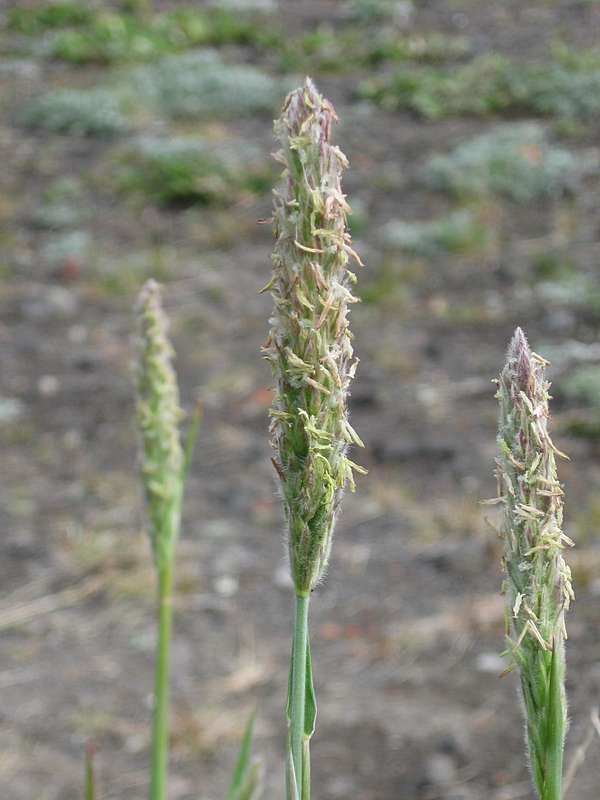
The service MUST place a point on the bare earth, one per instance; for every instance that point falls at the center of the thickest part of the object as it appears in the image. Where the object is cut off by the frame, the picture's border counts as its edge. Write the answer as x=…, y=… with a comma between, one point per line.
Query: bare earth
x=408, y=627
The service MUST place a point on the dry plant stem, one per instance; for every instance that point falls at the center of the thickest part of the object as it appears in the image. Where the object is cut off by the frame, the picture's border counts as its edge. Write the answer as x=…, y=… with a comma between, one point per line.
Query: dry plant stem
x=538, y=581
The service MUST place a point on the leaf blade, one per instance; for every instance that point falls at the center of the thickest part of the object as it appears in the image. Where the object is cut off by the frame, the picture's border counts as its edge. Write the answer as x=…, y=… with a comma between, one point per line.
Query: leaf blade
x=246, y=782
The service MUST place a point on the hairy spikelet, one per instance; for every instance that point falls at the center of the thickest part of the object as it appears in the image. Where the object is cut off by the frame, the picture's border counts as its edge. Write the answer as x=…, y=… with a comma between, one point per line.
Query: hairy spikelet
x=158, y=417
x=309, y=345
x=538, y=581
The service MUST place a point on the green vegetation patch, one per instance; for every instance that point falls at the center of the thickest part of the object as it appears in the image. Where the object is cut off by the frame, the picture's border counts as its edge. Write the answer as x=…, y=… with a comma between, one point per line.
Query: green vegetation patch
x=489, y=85
x=459, y=232
x=571, y=290
x=65, y=246
x=199, y=84
x=552, y=266
x=427, y=48
x=516, y=161
x=59, y=14
x=582, y=426
x=118, y=38
x=121, y=274
x=186, y=171
x=377, y=11
x=95, y=112
x=583, y=385
x=331, y=49
x=391, y=285
x=61, y=205
x=92, y=35
x=245, y=6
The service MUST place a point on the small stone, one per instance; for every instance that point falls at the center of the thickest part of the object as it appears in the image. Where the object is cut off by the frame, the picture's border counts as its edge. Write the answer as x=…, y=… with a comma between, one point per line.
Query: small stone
x=561, y=321
x=490, y=663
x=72, y=439
x=403, y=12
x=53, y=303
x=226, y=585
x=48, y=385
x=20, y=68
x=219, y=529
x=63, y=302
x=77, y=334
x=340, y=786
x=440, y=769
x=10, y=409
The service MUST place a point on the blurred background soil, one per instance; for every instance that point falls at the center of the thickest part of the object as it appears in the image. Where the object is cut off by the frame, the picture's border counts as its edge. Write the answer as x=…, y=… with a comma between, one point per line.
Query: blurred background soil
x=135, y=141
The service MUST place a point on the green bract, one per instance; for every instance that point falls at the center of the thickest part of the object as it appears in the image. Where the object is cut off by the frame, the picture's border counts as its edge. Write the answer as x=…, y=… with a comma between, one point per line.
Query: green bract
x=309, y=345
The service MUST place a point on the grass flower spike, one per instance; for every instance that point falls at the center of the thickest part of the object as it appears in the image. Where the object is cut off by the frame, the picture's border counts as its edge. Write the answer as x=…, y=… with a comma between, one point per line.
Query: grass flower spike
x=158, y=416
x=311, y=354
x=538, y=581
x=163, y=466
x=310, y=343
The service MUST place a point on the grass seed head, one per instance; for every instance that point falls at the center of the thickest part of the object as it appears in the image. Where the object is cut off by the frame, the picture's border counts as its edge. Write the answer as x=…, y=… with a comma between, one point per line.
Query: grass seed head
x=538, y=581
x=158, y=417
x=309, y=345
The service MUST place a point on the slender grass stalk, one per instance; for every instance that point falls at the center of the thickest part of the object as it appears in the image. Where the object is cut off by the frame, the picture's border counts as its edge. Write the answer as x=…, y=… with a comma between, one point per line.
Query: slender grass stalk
x=160, y=723
x=164, y=465
x=90, y=780
x=538, y=581
x=298, y=682
x=310, y=350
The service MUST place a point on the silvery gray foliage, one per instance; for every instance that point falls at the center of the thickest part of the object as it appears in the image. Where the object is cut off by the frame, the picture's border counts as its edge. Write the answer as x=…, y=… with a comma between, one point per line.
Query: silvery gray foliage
x=199, y=83
x=93, y=112
x=516, y=161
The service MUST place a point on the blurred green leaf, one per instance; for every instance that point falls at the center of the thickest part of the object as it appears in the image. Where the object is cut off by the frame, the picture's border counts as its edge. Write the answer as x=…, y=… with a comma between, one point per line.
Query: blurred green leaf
x=246, y=783
x=90, y=781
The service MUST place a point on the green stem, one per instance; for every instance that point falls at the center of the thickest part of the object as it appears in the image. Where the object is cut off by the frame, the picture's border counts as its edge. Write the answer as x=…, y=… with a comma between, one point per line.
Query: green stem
x=298, y=684
x=160, y=724
x=90, y=782
x=555, y=734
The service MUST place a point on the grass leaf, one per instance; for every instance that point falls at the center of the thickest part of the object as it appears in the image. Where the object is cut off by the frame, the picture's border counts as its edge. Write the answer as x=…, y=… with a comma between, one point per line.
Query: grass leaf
x=90, y=781
x=246, y=783
x=310, y=705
